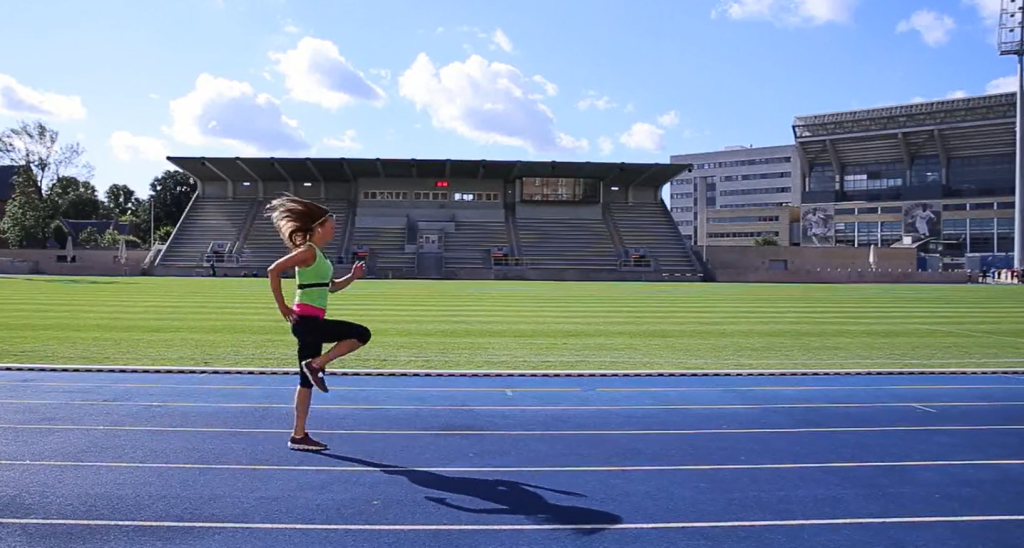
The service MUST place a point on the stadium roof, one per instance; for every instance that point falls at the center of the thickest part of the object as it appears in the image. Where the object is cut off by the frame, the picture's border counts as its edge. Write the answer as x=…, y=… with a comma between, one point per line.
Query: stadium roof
x=952, y=127
x=344, y=170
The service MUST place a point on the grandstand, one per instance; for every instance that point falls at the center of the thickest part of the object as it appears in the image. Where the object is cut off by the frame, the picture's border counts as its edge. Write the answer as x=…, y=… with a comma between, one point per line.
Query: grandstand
x=441, y=218
x=938, y=176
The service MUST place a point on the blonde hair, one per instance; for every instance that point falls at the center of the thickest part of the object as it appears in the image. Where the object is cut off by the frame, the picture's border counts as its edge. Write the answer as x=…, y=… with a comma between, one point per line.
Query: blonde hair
x=295, y=219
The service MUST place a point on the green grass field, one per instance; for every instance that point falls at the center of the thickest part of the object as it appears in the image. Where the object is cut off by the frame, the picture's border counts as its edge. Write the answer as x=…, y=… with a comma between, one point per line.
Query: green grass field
x=512, y=325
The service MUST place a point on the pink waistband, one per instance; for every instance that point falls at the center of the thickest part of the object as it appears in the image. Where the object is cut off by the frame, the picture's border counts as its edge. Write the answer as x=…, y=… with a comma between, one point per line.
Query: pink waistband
x=304, y=309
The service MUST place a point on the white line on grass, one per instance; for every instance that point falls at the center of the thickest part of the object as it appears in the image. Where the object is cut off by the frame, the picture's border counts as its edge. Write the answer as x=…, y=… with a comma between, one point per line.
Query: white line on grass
x=527, y=407
x=664, y=468
x=538, y=527
x=513, y=432
x=971, y=333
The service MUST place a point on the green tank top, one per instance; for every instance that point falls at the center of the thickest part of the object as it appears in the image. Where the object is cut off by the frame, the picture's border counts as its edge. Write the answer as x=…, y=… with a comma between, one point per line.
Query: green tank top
x=320, y=272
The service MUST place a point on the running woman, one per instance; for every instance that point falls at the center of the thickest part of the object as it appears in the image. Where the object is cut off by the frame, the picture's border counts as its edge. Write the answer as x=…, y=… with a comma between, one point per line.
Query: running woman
x=306, y=227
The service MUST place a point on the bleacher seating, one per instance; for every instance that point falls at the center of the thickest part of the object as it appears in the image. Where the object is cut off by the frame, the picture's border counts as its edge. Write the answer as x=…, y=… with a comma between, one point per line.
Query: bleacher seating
x=263, y=246
x=207, y=220
x=470, y=244
x=387, y=244
x=566, y=243
x=650, y=226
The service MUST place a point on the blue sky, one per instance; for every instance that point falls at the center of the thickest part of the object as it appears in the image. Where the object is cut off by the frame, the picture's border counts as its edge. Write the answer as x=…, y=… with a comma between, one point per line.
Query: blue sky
x=596, y=80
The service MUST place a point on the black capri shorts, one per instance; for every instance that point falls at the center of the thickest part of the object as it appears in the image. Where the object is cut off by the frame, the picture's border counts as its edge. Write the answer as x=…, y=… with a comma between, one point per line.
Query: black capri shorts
x=312, y=332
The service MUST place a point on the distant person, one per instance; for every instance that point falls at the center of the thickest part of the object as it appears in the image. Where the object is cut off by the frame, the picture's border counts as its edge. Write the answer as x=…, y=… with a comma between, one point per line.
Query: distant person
x=306, y=227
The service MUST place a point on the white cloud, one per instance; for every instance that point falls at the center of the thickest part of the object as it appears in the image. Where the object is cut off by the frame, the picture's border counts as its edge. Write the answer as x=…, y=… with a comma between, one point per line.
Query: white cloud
x=789, y=12
x=17, y=99
x=228, y=112
x=643, y=136
x=1002, y=85
x=602, y=103
x=315, y=72
x=935, y=28
x=383, y=74
x=485, y=102
x=501, y=40
x=439, y=30
x=668, y=119
x=549, y=88
x=128, y=147
x=606, y=145
x=958, y=94
x=988, y=10
x=629, y=108
x=290, y=27
x=347, y=141
x=153, y=96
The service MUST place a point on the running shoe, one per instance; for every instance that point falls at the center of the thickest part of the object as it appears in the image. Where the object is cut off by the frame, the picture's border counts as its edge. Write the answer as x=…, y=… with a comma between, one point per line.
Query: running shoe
x=315, y=374
x=305, y=443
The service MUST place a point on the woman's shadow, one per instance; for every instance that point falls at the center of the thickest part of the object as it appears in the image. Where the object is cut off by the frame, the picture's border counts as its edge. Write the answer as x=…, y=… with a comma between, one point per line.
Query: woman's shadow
x=511, y=498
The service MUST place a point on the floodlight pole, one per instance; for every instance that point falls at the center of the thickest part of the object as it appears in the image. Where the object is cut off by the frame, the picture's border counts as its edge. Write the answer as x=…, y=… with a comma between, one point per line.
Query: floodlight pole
x=1011, y=42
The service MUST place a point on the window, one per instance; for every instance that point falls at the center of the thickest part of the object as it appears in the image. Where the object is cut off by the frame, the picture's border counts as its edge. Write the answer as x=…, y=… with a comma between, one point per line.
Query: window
x=737, y=235
x=926, y=170
x=555, y=189
x=848, y=211
x=981, y=175
x=684, y=223
x=682, y=209
x=982, y=206
x=954, y=232
x=680, y=182
x=867, y=234
x=892, y=209
x=756, y=176
x=682, y=196
x=1005, y=205
x=1004, y=235
x=477, y=196
x=892, y=232
x=822, y=178
x=386, y=195
x=867, y=211
x=873, y=176
x=743, y=220
x=954, y=207
x=982, y=237
x=742, y=163
x=431, y=196
x=845, y=234
x=755, y=191
x=753, y=205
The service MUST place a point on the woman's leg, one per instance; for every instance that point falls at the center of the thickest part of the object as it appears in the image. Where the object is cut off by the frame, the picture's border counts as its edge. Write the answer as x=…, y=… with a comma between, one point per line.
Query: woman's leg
x=308, y=348
x=347, y=336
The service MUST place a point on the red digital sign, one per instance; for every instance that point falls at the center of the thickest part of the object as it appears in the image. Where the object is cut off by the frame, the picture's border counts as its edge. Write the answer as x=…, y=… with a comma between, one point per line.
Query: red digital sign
x=441, y=184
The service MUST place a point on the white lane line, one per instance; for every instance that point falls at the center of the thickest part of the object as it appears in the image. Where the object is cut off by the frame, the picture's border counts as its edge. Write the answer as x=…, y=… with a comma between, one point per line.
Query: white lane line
x=923, y=408
x=659, y=468
x=526, y=407
x=531, y=389
x=257, y=387
x=514, y=432
x=782, y=388
x=537, y=527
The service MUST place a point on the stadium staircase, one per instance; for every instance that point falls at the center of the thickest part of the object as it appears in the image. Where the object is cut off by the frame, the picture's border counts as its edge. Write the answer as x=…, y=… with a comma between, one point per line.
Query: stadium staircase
x=650, y=225
x=566, y=243
x=207, y=220
x=387, y=244
x=469, y=246
x=263, y=245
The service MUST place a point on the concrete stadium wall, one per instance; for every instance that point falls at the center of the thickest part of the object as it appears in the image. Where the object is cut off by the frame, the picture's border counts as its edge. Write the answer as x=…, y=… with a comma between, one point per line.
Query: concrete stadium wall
x=425, y=184
x=89, y=262
x=843, y=277
x=807, y=258
x=316, y=190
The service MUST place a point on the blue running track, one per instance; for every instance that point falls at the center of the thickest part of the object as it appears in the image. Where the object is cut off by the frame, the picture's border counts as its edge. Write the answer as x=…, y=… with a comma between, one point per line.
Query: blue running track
x=119, y=460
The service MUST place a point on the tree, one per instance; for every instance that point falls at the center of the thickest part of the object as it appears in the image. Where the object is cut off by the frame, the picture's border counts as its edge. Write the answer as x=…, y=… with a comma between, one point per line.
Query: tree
x=27, y=220
x=34, y=146
x=169, y=196
x=122, y=200
x=766, y=241
x=70, y=198
x=60, y=234
x=89, y=237
x=110, y=238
